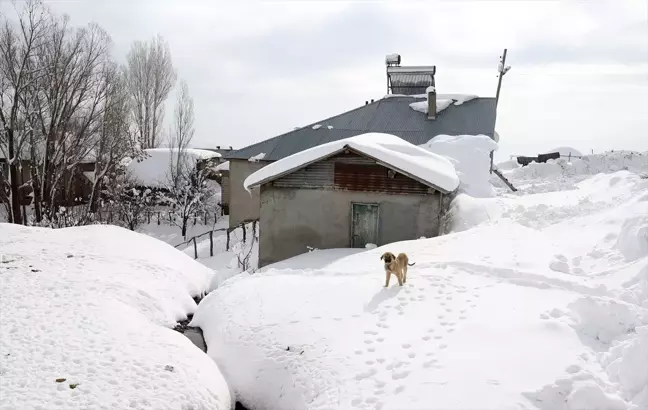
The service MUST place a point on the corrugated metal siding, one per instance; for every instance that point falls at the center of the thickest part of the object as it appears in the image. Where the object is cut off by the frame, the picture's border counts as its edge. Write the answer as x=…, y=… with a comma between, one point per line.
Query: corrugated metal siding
x=317, y=175
x=374, y=178
x=351, y=172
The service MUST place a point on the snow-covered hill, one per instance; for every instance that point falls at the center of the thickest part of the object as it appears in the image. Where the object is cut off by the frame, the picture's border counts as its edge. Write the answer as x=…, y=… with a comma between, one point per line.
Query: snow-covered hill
x=534, y=302
x=85, y=322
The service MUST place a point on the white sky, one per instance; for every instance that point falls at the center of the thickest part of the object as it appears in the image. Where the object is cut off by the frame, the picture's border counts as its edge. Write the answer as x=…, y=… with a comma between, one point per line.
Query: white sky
x=260, y=68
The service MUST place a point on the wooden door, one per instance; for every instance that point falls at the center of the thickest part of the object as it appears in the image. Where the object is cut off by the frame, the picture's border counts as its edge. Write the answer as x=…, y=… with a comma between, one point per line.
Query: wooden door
x=364, y=224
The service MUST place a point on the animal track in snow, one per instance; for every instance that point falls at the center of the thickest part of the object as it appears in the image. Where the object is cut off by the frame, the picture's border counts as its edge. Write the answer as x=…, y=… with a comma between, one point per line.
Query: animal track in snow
x=366, y=374
x=400, y=375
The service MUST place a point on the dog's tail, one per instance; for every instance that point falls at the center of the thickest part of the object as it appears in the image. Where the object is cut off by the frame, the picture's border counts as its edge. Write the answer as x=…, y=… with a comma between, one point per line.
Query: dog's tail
x=411, y=264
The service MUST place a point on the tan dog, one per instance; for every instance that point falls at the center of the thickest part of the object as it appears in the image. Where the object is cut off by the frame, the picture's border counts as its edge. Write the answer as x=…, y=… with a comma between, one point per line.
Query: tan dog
x=396, y=265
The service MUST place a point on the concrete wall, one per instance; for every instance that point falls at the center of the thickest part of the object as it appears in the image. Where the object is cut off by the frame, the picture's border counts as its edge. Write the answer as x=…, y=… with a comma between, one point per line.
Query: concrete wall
x=242, y=206
x=292, y=219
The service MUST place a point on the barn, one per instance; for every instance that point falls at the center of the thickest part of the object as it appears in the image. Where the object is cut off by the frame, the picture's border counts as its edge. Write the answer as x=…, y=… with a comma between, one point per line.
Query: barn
x=373, y=188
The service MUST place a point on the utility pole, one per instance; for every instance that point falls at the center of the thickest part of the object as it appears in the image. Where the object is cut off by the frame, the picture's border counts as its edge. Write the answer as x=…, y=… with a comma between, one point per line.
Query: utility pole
x=502, y=69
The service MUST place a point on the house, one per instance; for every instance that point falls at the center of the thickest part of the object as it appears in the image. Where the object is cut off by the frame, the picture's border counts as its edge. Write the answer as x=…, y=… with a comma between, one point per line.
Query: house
x=153, y=170
x=222, y=171
x=404, y=116
x=75, y=185
x=368, y=189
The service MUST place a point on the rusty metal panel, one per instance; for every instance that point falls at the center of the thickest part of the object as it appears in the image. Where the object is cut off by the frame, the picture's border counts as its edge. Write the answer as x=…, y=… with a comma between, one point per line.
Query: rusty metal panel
x=375, y=178
x=316, y=175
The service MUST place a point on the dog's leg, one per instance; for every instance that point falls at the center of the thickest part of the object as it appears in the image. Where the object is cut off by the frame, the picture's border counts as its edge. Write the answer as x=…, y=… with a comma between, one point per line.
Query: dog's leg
x=400, y=278
x=388, y=273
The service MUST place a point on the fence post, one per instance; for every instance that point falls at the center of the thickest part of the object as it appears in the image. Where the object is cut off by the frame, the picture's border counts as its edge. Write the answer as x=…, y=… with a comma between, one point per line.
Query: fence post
x=254, y=227
x=195, y=248
x=158, y=215
x=148, y=217
x=211, y=243
x=205, y=218
x=228, y=240
x=243, y=226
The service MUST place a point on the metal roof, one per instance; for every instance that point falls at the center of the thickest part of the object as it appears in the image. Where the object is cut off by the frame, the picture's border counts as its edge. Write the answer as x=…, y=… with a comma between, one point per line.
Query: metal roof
x=391, y=115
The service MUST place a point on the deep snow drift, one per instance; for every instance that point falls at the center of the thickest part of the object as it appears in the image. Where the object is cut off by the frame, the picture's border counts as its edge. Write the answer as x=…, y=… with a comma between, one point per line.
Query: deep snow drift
x=470, y=155
x=534, y=302
x=86, y=318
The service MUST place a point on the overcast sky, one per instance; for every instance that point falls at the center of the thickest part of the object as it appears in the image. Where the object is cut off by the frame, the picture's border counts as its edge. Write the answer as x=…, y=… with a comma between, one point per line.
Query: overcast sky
x=256, y=69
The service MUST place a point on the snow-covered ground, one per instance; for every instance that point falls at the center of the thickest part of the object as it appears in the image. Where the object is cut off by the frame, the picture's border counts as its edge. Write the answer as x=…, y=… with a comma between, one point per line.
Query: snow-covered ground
x=225, y=262
x=535, y=301
x=86, y=318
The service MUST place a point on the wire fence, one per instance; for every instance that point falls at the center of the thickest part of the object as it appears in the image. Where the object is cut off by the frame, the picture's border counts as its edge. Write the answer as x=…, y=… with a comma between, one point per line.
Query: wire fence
x=228, y=231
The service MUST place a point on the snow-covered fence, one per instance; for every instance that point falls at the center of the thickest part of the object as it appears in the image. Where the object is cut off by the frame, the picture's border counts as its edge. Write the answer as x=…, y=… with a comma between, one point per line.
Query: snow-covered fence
x=194, y=240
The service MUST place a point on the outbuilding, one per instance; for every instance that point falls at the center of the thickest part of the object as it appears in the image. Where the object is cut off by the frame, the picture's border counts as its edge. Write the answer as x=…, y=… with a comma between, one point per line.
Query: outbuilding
x=373, y=188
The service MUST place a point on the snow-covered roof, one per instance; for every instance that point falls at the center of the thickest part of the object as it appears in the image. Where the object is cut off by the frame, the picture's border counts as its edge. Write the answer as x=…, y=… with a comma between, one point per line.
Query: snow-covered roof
x=223, y=167
x=153, y=170
x=257, y=158
x=389, y=150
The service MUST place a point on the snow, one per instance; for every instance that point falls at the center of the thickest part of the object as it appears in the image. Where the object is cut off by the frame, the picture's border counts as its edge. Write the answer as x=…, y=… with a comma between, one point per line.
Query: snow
x=257, y=158
x=422, y=106
x=317, y=126
x=389, y=149
x=470, y=155
x=533, y=301
x=153, y=169
x=330, y=127
x=443, y=101
x=94, y=306
x=225, y=166
x=564, y=173
x=430, y=89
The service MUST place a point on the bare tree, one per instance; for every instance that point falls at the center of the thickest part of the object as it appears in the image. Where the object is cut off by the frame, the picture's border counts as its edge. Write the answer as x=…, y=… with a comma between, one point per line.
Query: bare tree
x=189, y=189
x=115, y=142
x=182, y=130
x=19, y=44
x=151, y=77
x=71, y=103
x=131, y=204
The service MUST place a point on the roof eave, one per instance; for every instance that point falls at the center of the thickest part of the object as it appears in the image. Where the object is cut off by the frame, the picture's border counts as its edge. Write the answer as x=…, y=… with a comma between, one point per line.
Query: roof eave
x=347, y=147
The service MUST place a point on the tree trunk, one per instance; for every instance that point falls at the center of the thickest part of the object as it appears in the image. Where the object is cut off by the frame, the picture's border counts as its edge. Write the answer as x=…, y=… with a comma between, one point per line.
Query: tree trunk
x=36, y=191
x=13, y=181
